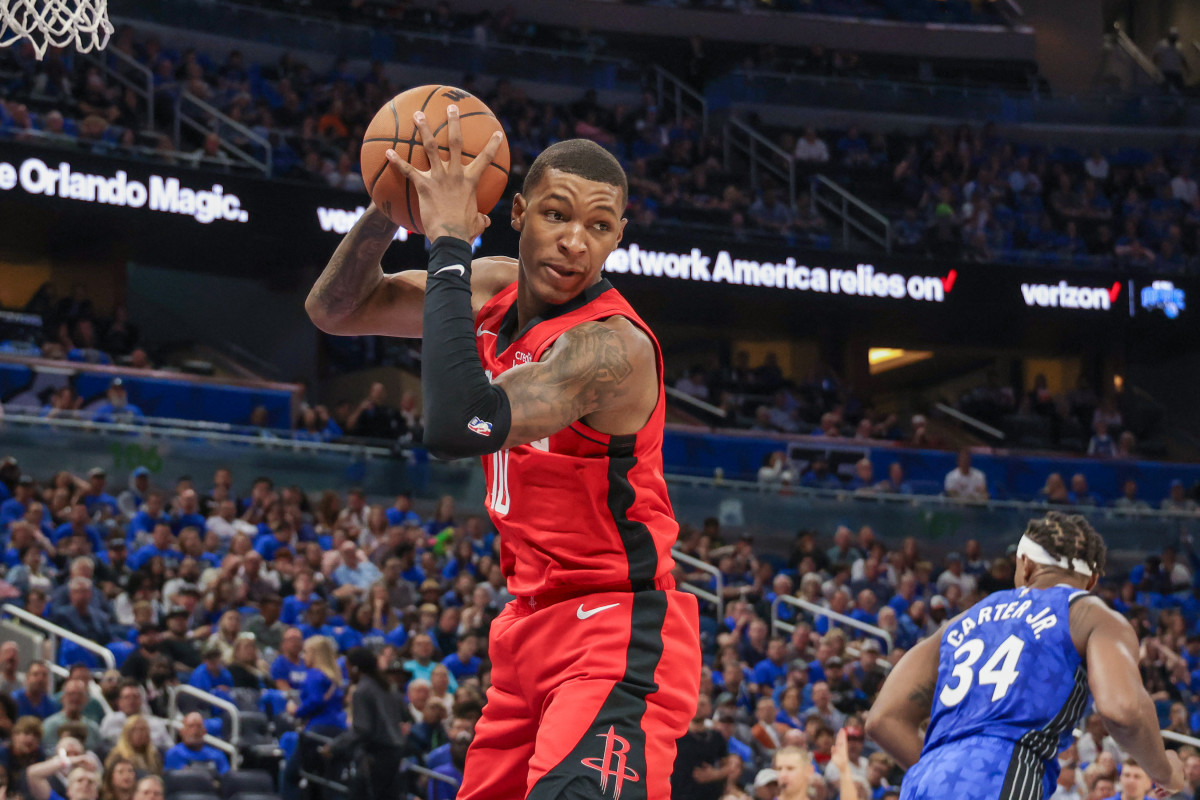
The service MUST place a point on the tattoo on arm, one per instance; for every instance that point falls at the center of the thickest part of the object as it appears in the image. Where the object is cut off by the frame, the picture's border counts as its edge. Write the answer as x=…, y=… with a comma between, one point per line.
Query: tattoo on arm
x=353, y=271
x=922, y=695
x=588, y=369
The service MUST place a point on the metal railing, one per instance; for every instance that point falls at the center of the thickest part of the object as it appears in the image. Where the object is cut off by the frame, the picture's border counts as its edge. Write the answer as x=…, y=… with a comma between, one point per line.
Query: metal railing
x=1130, y=48
x=186, y=99
x=717, y=598
x=229, y=745
x=683, y=100
x=56, y=632
x=845, y=205
x=168, y=428
x=967, y=419
x=695, y=402
x=144, y=88
x=821, y=611
x=417, y=769
x=761, y=154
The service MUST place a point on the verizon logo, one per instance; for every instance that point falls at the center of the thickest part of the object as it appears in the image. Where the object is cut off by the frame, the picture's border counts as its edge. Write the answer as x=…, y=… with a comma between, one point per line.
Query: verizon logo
x=1064, y=295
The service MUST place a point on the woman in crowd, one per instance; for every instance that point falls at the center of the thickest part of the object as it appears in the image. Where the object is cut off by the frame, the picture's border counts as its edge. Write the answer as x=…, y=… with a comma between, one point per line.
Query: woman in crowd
x=246, y=668
x=120, y=779
x=135, y=746
x=321, y=709
x=24, y=750
x=789, y=708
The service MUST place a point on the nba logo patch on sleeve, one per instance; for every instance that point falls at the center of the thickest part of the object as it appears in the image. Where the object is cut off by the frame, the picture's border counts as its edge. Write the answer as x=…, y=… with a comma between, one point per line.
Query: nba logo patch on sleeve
x=476, y=425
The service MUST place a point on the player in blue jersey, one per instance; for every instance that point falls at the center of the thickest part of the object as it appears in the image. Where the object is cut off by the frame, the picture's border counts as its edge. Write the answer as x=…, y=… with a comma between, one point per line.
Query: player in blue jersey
x=1004, y=683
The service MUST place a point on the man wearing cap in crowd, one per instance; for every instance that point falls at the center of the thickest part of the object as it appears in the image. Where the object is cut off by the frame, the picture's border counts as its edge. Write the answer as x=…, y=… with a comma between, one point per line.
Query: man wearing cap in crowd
x=118, y=409
x=939, y=608
x=179, y=640
x=847, y=697
x=99, y=503
x=130, y=500
x=113, y=567
x=766, y=784
x=725, y=724
x=855, y=739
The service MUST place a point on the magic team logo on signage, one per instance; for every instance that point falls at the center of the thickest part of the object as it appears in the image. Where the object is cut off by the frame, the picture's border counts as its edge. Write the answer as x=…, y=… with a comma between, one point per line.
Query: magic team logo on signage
x=863, y=280
x=164, y=194
x=1065, y=295
x=1163, y=296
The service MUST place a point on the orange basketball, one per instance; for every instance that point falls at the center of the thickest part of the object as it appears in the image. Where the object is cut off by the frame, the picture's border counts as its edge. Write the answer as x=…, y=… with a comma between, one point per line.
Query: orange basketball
x=393, y=127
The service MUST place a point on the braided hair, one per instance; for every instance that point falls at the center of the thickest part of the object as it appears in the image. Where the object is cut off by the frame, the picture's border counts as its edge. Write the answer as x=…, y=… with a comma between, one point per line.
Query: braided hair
x=1069, y=536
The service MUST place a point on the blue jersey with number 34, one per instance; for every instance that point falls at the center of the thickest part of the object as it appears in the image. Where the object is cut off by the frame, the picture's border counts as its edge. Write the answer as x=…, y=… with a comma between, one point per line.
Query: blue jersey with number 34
x=1008, y=668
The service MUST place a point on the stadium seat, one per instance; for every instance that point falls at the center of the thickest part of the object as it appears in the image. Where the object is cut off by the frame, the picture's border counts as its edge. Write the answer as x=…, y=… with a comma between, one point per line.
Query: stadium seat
x=70, y=653
x=247, y=782
x=187, y=782
x=121, y=651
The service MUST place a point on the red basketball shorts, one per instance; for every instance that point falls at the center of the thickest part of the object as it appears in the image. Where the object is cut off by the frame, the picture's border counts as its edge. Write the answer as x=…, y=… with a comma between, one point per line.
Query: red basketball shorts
x=588, y=698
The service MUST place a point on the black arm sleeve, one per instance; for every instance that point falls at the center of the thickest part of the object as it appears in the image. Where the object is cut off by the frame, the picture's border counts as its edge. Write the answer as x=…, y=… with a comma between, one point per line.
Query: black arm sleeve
x=465, y=415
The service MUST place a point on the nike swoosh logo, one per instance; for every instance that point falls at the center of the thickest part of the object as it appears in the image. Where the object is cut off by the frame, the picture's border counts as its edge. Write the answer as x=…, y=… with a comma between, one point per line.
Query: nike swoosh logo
x=480, y=332
x=459, y=267
x=593, y=612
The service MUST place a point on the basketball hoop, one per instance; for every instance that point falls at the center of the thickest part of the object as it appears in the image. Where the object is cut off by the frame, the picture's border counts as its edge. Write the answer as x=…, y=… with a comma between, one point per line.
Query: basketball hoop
x=55, y=23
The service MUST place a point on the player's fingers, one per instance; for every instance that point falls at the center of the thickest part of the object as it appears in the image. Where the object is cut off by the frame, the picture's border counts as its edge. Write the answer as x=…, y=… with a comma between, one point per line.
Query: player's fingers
x=486, y=156
x=406, y=169
x=454, y=132
x=428, y=140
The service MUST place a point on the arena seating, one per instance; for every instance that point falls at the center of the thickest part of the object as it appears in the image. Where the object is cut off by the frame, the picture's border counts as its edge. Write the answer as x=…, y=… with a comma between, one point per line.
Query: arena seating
x=441, y=565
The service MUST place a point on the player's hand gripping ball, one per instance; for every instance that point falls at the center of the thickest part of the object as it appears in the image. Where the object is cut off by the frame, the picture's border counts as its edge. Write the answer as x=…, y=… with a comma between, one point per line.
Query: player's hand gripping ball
x=393, y=128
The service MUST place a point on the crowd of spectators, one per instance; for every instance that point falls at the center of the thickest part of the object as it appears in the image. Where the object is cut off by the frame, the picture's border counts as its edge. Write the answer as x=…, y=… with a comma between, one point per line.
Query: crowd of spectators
x=973, y=194
x=282, y=602
x=968, y=193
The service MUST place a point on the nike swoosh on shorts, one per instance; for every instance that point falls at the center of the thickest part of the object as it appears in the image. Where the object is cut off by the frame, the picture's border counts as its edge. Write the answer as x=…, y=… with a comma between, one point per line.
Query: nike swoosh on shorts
x=594, y=611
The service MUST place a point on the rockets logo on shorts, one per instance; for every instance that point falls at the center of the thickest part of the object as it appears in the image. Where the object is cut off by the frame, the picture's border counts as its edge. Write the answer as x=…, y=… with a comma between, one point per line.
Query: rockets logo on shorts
x=614, y=747
x=476, y=425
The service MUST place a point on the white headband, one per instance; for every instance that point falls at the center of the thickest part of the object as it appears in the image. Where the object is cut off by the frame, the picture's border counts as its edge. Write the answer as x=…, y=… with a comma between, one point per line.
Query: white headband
x=1038, y=555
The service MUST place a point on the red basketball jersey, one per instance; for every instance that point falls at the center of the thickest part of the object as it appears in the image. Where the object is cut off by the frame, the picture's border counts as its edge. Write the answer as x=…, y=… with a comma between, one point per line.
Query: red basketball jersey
x=580, y=508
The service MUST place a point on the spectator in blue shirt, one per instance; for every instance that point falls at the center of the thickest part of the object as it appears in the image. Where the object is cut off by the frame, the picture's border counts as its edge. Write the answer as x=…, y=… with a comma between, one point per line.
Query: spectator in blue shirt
x=81, y=617
x=772, y=670
x=162, y=544
x=188, y=515
x=819, y=477
x=78, y=524
x=315, y=620
x=453, y=770
x=98, y=501
x=269, y=541
x=321, y=707
x=401, y=512
x=118, y=409
x=211, y=675
x=33, y=699
x=14, y=508
x=463, y=663
x=297, y=603
x=192, y=749
x=142, y=523
x=894, y=483
x=288, y=670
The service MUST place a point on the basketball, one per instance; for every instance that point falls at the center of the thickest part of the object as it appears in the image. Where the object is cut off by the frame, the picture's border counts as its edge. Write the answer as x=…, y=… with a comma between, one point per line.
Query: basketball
x=393, y=127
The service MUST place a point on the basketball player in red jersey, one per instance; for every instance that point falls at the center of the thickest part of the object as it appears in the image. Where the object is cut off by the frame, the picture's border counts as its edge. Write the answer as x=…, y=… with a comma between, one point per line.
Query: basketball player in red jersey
x=539, y=366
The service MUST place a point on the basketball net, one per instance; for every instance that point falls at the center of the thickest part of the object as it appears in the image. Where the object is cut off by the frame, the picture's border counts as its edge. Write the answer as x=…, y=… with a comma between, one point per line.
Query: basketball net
x=55, y=23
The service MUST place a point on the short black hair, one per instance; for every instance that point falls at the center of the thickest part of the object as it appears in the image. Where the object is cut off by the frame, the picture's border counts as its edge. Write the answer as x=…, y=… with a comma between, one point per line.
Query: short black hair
x=581, y=157
x=1069, y=536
